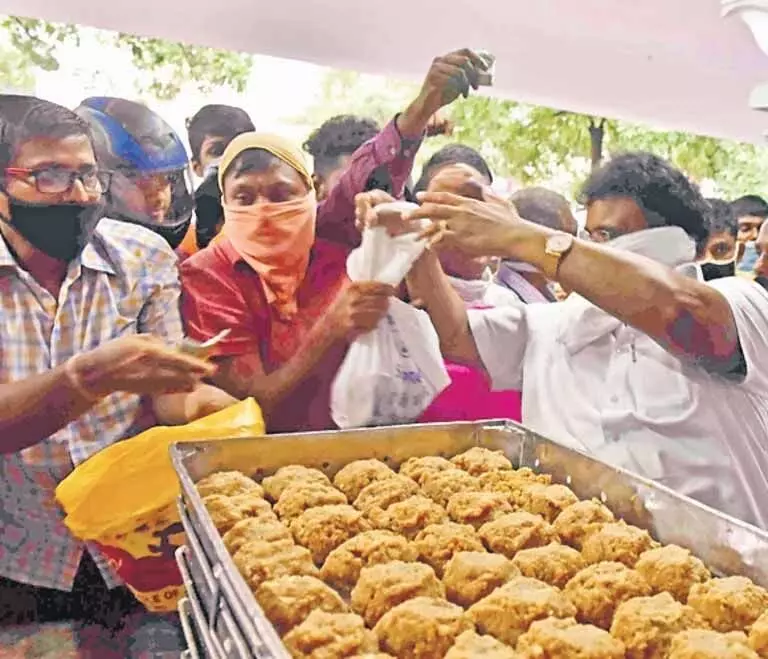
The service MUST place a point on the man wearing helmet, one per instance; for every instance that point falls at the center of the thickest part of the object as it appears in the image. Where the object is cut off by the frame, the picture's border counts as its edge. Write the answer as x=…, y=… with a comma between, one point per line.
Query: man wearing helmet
x=150, y=182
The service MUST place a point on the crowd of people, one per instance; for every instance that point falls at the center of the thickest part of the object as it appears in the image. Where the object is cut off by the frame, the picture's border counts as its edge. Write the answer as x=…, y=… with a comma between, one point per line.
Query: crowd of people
x=636, y=338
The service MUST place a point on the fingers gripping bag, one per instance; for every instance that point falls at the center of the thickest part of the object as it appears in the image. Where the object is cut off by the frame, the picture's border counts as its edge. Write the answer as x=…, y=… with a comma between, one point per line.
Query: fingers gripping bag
x=123, y=501
x=392, y=374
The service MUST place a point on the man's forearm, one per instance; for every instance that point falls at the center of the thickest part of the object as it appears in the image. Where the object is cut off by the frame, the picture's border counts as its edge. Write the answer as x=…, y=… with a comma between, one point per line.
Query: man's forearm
x=35, y=408
x=682, y=314
x=428, y=284
x=237, y=376
x=413, y=121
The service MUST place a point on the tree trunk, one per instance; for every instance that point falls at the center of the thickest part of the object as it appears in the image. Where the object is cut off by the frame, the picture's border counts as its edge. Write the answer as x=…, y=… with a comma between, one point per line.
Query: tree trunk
x=596, y=138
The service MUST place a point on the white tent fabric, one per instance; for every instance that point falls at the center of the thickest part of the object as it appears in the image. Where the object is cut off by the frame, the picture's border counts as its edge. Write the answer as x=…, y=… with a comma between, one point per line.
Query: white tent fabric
x=674, y=64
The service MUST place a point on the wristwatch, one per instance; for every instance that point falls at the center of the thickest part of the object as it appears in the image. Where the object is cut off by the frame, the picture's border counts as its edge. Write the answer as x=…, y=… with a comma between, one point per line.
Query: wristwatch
x=556, y=247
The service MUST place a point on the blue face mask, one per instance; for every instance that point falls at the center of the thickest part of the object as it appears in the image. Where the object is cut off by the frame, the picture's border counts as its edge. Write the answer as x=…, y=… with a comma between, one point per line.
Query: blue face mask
x=749, y=258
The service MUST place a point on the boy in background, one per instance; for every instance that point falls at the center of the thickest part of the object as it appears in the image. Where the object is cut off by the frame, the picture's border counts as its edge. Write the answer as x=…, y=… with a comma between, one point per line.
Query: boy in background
x=209, y=132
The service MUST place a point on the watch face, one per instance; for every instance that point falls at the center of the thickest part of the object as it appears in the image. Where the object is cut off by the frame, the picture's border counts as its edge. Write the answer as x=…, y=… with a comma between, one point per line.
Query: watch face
x=559, y=243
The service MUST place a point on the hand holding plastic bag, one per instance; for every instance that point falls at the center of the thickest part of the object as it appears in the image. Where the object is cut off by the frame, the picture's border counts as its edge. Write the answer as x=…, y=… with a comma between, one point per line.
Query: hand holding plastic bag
x=392, y=374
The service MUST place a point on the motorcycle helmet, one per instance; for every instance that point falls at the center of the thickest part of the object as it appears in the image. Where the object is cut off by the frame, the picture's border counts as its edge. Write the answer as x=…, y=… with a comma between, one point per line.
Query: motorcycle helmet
x=151, y=180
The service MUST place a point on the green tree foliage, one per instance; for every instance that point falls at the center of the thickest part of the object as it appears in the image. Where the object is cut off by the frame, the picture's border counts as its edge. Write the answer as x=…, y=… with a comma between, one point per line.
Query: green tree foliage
x=15, y=77
x=168, y=65
x=537, y=144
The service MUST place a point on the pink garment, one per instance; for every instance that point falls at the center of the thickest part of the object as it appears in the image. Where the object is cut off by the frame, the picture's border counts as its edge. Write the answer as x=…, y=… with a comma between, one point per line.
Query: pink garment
x=469, y=397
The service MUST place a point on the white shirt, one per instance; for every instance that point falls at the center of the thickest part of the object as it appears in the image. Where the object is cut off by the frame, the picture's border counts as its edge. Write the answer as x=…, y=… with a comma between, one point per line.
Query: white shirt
x=624, y=399
x=484, y=293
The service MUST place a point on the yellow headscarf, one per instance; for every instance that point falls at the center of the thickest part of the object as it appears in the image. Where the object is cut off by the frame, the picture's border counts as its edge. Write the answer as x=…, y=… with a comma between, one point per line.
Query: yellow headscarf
x=278, y=146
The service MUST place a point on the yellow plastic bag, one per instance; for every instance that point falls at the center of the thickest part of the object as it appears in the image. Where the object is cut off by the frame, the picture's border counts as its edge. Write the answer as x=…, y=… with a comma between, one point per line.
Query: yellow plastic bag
x=123, y=499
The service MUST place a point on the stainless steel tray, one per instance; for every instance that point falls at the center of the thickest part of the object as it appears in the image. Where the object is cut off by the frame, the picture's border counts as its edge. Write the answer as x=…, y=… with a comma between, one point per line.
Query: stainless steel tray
x=215, y=603
x=219, y=633
x=726, y=545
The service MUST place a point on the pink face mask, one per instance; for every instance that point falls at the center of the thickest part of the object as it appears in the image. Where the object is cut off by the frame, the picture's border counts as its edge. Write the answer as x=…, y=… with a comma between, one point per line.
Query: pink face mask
x=275, y=239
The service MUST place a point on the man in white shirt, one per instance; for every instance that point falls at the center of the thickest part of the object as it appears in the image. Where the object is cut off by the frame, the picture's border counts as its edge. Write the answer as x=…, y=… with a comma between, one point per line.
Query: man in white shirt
x=643, y=366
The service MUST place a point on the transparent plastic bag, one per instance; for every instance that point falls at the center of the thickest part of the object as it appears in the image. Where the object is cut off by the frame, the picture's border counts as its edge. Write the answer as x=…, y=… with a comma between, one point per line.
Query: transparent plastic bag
x=392, y=374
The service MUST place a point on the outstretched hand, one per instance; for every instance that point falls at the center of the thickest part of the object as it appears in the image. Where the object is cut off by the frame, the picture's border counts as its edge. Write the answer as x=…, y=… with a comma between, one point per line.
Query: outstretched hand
x=481, y=226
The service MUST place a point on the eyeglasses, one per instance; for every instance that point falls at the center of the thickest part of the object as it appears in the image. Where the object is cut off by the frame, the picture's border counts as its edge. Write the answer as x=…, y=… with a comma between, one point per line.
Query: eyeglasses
x=58, y=180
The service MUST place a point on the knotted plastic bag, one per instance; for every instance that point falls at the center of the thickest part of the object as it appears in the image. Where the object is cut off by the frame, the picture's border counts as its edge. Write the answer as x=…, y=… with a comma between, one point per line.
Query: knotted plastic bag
x=392, y=374
x=123, y=499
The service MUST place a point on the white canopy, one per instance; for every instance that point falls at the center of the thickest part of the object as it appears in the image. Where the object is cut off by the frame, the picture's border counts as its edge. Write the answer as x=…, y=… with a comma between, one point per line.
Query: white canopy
x=675, y=64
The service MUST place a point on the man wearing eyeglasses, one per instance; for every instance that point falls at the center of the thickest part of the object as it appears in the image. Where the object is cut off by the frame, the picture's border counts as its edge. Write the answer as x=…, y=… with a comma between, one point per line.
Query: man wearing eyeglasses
x=90, y=314
x=644, y=366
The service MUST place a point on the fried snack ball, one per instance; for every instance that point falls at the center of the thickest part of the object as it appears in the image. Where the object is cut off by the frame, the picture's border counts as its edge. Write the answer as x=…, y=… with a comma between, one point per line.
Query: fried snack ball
x=324, y=528
x=546, y=500
x=228, y=483
x=554, y=564
x=438, y=543
x=515, y=531
x=256, y=529
x=564, y=638
x=382, y=494
x=510, y=609
x=673, y=569
x=706, y=644
x=409, y=516
x=261, y=561
x=356, y=476
x=299, y=497
x=288, y=601
x=376, y=655
x=758, y=636
x=479, y=460
x=646, y=625
x=598, y=589
x=470, y=576
x=422, y=628
x=580, y=520
x=382, y=587
x=731, y=604
x=618, y=542
x=470, y=644
x=226, y=511
x=440, y=487
x=330, y=636
x=284, y=477
x=343, y=565
x=512, y=482
x=477, y=508
x=419, y=469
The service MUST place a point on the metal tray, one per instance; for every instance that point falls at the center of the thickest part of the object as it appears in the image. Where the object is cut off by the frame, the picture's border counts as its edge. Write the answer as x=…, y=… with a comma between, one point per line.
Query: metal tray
x=726, y=545
x=220, y=635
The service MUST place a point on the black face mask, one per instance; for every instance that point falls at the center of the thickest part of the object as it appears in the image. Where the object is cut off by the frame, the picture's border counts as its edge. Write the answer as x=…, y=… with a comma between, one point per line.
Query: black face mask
x=208, y=211
x=718, y=270
x=173, y=234
x=763, y=281
x=59, y=230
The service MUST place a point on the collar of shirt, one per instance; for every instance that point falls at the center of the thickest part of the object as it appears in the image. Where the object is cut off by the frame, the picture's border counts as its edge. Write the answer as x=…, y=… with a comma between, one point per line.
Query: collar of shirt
x=91, y=257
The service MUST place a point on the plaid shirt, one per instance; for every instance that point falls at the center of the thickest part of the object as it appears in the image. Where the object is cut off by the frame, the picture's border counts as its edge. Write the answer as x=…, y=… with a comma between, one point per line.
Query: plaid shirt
x=126, y=282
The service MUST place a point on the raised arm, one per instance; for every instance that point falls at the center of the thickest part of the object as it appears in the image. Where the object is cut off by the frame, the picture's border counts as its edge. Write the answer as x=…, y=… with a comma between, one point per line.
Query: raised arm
x=386, y=161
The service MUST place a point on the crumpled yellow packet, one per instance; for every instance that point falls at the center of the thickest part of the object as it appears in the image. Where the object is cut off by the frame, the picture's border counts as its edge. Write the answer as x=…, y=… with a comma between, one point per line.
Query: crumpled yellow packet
x=123, y=499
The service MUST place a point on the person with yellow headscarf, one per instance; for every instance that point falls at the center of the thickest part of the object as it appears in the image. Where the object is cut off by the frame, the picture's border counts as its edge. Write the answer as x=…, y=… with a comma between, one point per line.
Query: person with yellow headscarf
x=276, y=276
x=282, y=292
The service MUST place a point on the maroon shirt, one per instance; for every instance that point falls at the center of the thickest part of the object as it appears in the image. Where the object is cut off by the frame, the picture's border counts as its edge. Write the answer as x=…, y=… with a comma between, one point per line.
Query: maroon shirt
x=221, y=291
